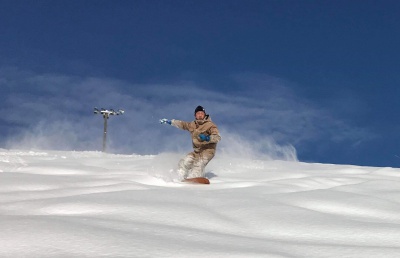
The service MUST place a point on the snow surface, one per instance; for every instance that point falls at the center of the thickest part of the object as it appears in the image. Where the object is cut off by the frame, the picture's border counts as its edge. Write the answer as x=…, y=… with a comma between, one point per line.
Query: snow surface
x=91, y=204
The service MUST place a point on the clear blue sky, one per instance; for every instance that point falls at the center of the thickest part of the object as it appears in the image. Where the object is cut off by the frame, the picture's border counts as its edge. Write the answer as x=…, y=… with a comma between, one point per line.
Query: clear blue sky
x=331, y=66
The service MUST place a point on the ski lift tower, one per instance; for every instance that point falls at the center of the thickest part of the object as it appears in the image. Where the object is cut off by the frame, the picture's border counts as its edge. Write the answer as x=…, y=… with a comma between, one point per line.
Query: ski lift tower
x=106, y=114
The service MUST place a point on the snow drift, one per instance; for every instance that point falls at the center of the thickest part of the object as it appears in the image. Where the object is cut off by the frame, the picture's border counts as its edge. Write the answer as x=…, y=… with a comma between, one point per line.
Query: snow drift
x=91, y=204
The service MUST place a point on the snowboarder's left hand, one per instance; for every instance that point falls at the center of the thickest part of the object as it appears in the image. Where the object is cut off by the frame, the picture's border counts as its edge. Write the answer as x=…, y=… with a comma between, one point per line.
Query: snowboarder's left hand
x=204, y=137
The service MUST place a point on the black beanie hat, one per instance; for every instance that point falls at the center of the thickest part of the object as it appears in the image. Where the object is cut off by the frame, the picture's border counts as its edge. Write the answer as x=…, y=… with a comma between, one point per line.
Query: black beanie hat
x=199, y=108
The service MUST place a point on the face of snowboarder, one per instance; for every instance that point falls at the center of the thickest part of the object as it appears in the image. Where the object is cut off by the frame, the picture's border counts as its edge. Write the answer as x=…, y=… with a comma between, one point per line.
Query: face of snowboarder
x=200, y=115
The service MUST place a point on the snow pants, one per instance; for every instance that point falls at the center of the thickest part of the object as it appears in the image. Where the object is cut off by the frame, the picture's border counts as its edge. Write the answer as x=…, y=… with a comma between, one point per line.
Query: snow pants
x=194, y=163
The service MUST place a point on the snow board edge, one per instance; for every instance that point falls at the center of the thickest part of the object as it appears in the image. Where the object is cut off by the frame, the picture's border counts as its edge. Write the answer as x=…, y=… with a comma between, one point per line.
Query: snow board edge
x=197, y=180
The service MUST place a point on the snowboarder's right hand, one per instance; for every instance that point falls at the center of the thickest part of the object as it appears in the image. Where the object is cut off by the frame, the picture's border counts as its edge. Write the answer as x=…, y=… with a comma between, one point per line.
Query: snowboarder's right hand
x=165, y=121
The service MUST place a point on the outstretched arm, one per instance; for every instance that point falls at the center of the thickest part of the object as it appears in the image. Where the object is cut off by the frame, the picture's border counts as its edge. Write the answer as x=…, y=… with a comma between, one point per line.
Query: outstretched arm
x=180, y=124
x=177, y=123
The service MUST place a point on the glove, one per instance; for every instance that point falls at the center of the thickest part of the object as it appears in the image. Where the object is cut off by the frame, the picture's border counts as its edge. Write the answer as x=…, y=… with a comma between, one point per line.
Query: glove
x=204, y=137
x=165, y=121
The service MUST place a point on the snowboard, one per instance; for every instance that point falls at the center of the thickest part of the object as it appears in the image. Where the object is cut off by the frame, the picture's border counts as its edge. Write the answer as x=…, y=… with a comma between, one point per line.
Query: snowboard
x=197, y=180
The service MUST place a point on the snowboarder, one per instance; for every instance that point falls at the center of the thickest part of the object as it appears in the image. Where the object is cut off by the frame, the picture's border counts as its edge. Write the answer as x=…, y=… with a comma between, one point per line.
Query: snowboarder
x=205, y=136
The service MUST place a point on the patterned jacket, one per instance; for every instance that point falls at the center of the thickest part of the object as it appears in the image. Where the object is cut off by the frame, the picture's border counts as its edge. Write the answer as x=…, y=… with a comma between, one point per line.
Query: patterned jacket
x=197, y=127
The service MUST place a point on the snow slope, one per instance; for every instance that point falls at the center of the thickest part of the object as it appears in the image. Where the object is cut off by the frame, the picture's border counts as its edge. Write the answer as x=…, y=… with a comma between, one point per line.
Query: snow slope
x=90, y=204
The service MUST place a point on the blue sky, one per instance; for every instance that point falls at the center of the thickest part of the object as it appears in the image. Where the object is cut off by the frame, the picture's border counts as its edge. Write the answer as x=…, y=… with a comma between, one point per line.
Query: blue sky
x=321, y=76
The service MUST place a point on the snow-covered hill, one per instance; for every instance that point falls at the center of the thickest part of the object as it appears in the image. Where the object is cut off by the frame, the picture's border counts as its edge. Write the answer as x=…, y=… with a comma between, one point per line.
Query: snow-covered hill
x=90, y=204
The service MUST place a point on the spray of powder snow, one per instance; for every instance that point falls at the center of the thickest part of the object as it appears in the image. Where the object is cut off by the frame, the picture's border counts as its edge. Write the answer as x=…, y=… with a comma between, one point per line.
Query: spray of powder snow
x=233, y=149
x=258, y=120
x=165, y=166
x=255, y=147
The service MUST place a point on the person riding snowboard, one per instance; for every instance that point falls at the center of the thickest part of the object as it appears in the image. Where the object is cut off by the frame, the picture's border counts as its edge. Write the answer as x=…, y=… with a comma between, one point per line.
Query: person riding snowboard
x=205, y=137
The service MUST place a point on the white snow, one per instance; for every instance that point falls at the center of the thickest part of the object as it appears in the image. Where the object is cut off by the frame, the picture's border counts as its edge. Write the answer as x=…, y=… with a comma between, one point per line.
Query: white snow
x=91, y=204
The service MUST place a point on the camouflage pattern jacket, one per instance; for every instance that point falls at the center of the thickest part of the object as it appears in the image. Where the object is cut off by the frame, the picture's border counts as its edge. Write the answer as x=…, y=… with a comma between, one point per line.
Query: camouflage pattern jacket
x=197, y=127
